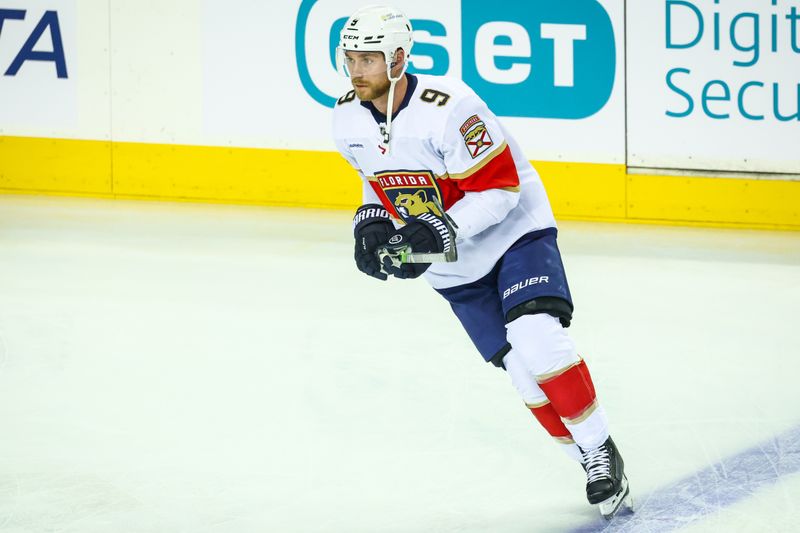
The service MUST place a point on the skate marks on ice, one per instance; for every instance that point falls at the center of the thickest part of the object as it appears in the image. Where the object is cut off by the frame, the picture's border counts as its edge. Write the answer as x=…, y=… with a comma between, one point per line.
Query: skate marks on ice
x=708, y=491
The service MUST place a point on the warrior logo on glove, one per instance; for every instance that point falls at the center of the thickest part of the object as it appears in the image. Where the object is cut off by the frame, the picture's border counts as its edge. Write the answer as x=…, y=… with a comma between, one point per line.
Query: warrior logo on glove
x=438, y=226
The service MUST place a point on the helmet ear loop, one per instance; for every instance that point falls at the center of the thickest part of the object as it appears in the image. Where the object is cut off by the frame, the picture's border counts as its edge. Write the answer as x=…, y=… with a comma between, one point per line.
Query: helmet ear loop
x=392, y=63
x=392, y=81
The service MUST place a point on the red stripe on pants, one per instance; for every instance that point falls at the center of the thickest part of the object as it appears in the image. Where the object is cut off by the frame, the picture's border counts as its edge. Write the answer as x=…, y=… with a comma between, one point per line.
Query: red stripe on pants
x=550, y=420
x=572, y=392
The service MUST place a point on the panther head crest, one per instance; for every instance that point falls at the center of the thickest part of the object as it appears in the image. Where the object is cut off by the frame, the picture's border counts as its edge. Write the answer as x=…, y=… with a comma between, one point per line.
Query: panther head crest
x=412, y=205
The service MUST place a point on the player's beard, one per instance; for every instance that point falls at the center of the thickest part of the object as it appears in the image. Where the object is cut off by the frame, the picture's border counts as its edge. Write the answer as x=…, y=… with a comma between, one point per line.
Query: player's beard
x=372, y=91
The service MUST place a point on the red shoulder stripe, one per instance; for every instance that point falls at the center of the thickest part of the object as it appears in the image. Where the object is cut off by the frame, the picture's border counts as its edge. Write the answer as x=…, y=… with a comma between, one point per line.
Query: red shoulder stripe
x=500, y=172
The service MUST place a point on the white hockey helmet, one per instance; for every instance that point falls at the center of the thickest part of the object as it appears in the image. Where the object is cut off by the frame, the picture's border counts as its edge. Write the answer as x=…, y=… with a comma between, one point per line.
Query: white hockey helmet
x=375, y=29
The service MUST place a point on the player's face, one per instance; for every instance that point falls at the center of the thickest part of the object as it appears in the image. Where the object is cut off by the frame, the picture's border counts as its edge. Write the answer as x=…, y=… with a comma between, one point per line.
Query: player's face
x=367, y=74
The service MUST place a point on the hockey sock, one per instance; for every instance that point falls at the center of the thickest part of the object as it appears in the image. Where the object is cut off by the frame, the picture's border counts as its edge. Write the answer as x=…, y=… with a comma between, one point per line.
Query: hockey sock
x=539, y=405
x=550, y=420
x=552, y=423
x=572, y=396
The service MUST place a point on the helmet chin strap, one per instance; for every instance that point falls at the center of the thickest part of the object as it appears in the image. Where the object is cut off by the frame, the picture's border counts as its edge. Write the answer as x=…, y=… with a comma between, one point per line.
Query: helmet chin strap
x=390, y=107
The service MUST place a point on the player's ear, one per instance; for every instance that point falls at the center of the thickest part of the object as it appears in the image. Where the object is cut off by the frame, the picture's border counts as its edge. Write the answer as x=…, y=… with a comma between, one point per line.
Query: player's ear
x=399, y=57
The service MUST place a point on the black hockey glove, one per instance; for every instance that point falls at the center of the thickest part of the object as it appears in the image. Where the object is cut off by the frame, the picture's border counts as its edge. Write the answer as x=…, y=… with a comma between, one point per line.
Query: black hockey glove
x=371, y=229
x=426, y=233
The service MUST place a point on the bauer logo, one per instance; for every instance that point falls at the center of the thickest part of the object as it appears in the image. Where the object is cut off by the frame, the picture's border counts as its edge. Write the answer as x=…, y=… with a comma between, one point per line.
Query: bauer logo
x=533, y=58
x=523, y=284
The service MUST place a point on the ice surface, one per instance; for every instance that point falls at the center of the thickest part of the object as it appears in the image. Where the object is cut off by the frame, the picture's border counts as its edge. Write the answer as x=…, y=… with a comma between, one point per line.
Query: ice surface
x=202, y=368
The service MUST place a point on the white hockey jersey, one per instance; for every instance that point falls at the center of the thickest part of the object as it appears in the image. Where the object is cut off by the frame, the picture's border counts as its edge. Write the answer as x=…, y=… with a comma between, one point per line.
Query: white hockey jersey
x=446, y=144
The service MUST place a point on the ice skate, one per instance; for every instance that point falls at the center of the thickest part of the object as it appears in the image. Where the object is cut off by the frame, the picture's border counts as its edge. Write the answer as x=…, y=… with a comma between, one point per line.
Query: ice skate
x=606, y=484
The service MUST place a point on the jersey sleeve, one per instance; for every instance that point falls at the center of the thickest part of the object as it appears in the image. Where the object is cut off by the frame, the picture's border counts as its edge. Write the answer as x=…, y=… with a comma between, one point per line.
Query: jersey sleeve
x=477, y=211
x=475, y=151
x=480, y=163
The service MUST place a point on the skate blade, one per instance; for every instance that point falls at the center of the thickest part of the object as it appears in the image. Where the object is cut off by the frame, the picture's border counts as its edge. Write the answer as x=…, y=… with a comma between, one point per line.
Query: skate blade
x=610, y=507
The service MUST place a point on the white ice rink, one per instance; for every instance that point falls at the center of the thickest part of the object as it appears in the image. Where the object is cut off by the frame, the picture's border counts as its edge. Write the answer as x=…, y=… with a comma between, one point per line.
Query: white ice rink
x=200, y=368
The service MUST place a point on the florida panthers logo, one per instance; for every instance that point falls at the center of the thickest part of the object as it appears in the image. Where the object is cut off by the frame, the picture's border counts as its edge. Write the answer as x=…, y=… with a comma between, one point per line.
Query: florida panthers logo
x=412, y=193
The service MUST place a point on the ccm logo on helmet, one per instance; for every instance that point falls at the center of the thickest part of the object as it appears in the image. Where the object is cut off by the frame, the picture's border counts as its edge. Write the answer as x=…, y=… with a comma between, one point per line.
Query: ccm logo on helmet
x=546, y=59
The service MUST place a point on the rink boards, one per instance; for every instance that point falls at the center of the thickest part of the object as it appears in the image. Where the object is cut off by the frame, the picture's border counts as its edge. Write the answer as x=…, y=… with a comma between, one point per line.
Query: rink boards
x=583, y=191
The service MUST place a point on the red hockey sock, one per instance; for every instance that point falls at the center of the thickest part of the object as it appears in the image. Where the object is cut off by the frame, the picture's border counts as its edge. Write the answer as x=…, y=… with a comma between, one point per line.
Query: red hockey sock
x=550, y=421
x=570, y=391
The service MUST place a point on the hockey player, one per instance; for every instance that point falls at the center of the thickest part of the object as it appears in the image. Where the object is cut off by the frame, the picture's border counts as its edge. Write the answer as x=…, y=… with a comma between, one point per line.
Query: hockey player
x=441, y=175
